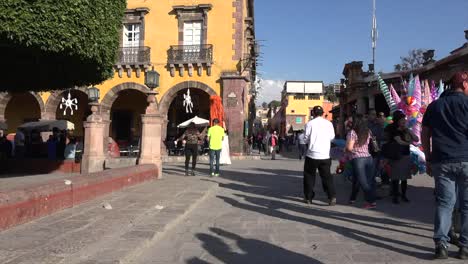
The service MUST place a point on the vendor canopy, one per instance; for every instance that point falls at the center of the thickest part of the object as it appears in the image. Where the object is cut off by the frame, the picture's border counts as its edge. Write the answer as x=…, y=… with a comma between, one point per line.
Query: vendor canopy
x=48, y=125
x=197, y=120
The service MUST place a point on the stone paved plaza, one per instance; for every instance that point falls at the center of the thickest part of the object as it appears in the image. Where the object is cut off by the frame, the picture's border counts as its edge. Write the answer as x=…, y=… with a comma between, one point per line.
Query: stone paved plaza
x=257, y=216
x=253, y=213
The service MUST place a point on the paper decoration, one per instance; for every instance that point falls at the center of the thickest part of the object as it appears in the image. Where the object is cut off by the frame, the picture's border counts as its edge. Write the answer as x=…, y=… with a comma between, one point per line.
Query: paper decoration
x=188, y=102
x=69, y=103
x=395, y=96
x=386, y=92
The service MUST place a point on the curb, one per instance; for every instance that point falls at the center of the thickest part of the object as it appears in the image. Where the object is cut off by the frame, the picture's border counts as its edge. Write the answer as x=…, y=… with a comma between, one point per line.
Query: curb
x=19, y=206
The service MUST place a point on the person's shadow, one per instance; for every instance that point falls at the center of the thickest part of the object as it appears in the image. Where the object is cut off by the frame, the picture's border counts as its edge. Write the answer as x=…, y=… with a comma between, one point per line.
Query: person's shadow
x=254, y=251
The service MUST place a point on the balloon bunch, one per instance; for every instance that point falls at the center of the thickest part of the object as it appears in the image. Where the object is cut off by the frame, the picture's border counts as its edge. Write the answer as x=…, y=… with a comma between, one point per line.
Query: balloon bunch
x=414, y=100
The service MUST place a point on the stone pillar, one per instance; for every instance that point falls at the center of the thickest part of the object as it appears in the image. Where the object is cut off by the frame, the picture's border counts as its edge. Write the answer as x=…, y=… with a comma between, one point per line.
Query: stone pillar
x=234, y=90
x=151, y=126
x=371, y=101
x=361, y=105
x=163, y=136
x=93, y=151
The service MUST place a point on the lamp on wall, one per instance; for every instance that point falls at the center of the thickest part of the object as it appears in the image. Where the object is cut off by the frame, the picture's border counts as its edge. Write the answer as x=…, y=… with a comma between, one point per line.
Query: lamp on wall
x=152, y=78
x=93, y=94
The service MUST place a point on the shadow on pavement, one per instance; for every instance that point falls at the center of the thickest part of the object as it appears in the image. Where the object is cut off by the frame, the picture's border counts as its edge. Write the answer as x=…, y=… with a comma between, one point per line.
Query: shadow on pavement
x=271, y=208
x=253, y=250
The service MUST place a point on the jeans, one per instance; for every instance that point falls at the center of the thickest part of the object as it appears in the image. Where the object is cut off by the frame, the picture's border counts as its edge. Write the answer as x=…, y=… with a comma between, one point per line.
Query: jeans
x=363, y=176
x=214, y=154
x=302, y=150
x=451, y=181
x=310, y=170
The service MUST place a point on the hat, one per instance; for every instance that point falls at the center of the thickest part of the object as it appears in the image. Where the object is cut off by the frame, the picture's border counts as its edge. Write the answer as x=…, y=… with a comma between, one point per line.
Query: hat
x=317, y=110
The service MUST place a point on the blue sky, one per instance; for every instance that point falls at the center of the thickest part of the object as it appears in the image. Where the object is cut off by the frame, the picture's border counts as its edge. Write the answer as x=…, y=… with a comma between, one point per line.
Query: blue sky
x=313, y=39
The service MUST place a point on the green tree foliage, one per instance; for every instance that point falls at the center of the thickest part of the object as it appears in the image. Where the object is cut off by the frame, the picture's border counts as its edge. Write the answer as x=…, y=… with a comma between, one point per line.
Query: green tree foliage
x=330, y=94
x=50, y=44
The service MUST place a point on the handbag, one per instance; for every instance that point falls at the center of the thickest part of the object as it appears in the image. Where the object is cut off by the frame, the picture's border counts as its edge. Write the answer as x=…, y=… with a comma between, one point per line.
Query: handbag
x=373, y=145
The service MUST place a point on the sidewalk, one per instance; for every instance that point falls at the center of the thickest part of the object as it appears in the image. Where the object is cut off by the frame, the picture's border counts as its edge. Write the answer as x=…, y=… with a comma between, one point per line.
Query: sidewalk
x=90, y=233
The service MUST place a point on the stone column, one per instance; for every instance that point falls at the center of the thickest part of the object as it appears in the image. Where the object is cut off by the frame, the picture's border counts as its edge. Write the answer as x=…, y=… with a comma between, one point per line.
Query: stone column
x=371, y=101
x=93, y=151
x=361, y=105
x=151, y=124
x=234, y=90
x=163, y=136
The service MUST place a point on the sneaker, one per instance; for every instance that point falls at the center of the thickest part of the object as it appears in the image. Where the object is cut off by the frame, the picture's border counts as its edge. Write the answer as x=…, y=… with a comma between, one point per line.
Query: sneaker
x=463, y=253
x=186, y=173
x=332, y=202
x=192, y=173
x=212, y=174
x=441, y=252
x=453, y=238
x=369, y=206
x=216, y=175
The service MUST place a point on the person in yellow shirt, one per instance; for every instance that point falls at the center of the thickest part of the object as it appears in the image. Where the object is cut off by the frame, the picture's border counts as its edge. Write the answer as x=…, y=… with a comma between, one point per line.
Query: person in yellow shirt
x=215, y=137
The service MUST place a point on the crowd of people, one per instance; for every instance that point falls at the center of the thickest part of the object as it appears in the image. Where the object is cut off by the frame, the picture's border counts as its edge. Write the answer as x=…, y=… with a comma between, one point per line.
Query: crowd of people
x=60, y=145
x=377, y=148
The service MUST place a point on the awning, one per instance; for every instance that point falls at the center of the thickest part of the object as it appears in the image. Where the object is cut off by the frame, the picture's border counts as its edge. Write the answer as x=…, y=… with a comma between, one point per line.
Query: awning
x=48, y=125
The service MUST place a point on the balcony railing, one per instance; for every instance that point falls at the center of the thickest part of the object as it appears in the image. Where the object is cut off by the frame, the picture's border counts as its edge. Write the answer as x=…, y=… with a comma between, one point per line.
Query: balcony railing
x=134, y=55
x=184, y=54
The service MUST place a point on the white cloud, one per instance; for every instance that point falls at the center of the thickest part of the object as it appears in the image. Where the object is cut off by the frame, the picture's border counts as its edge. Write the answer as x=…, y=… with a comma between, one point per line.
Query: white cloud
x=270, y=90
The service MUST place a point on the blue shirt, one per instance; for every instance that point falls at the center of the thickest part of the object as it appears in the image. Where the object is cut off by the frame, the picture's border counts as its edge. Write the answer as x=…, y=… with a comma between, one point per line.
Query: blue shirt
x=447, y=117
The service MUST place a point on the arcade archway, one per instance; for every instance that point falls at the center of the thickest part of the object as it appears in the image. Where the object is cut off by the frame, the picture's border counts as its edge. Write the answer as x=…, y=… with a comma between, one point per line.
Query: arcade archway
x=79, y=115
x=125, y=115
x=177, y=113
x=21, y=108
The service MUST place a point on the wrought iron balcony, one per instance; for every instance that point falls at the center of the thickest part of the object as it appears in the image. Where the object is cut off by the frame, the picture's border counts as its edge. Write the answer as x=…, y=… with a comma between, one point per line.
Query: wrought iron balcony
x=134, y=56
x=190, y=54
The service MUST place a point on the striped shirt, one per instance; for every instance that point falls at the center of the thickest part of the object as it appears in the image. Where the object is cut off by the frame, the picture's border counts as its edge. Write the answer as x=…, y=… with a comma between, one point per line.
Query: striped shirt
x=358, y=151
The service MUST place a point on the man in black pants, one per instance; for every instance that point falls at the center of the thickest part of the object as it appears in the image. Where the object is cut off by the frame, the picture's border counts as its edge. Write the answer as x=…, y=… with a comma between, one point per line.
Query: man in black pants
x=192, y=137
x=319, y=133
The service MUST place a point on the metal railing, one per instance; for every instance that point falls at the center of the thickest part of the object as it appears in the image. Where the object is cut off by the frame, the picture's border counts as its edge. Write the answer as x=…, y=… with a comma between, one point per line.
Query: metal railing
x=134, y=55
x=181, y=54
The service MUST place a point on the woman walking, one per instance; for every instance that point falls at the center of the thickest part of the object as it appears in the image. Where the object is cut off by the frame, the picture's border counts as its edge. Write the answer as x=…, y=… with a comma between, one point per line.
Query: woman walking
x=192, y=136
x=400, y=136
x=357, y=142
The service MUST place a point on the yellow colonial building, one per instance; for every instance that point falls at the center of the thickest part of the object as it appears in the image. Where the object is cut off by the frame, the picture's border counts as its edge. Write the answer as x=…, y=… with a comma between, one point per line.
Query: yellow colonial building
x=297, y=100
x=199, y=48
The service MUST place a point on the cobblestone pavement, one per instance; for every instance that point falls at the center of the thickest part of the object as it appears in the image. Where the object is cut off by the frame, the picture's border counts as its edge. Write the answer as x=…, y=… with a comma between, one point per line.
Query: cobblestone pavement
x=257, y=216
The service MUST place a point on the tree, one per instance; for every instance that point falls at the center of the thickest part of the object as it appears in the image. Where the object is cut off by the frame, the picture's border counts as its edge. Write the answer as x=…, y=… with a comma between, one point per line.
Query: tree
x=264, y=105
x=46, y=45
x=274, y=104
x=415, y=59
x=330, y=94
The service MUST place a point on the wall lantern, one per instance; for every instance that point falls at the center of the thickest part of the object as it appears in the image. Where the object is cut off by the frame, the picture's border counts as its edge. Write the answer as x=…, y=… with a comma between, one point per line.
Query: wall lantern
x=93, y=94
x=152, y=78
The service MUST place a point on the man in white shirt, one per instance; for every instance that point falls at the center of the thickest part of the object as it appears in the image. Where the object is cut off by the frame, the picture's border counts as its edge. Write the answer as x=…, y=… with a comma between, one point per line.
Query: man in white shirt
x=319, y=133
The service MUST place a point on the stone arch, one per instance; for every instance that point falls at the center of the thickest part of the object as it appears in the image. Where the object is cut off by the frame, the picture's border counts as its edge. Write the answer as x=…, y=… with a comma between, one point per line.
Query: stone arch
x=112, y=94
x=167, y=98
x=5, y=97
x=53, y=102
